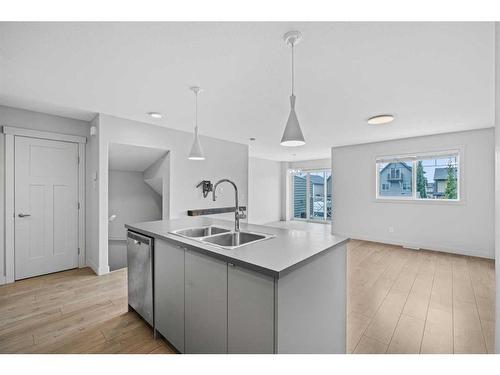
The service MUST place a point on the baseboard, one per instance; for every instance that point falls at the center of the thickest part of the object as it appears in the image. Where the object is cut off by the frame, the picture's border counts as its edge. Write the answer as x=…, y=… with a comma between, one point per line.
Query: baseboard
x=2, y=280
x=433, y=247
x=93, y=266
x=103, y=270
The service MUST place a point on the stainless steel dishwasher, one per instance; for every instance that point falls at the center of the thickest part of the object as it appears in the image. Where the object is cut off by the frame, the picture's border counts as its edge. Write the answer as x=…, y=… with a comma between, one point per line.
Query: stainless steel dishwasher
x=140, y=275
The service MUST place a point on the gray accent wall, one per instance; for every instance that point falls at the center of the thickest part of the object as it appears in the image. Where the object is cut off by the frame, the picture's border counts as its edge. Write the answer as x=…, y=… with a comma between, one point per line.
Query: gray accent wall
x=132, y=200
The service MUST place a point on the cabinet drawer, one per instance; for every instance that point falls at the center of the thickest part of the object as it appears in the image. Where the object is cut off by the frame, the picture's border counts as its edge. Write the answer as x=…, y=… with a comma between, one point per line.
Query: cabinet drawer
x=206, y=304
x=250, y=311
x=169, y=292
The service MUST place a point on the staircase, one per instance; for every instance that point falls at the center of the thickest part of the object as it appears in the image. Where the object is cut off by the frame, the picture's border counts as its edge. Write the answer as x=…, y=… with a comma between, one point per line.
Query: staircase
x=154, y=175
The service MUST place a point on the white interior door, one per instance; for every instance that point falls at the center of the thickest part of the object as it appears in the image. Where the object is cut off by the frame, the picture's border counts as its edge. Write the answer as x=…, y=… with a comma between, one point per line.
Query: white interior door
x=45, y=206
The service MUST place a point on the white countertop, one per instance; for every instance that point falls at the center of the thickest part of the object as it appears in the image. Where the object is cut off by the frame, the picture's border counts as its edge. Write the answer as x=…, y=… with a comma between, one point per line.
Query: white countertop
x=275, y=256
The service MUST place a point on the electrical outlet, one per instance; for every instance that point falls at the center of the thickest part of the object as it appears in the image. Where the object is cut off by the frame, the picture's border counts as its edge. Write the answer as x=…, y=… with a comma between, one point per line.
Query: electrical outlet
x=391, y=229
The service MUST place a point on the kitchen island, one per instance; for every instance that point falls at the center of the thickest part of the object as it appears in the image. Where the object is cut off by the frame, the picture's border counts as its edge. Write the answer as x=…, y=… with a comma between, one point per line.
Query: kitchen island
x=283, y=293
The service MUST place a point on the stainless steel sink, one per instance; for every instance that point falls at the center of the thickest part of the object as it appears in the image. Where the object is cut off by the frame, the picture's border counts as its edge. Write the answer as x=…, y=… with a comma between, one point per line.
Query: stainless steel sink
x=222, y=237
x=200, y=231
x=234, y=239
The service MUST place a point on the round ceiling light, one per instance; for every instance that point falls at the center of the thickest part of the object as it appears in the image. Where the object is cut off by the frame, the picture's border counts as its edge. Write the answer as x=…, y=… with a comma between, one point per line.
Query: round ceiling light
x=380, y=119
x=155, y=114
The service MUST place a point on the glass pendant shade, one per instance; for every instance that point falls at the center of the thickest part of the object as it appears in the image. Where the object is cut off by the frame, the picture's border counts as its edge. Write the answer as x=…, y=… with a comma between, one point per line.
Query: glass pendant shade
x=292, y=136
x=196, y=152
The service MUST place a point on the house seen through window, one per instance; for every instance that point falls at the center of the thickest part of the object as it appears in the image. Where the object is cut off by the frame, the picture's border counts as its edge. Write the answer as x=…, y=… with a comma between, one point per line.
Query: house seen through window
x=419, y=177
x=312, y=195
x=437, y=178
x=395, y=179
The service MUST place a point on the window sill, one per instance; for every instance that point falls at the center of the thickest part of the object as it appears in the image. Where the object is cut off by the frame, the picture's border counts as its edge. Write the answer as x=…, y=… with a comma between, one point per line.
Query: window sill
x=458, y=202
x=329, y=221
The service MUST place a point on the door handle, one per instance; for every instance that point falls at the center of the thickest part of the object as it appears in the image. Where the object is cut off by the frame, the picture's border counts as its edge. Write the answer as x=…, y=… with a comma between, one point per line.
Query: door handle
x=23, y=215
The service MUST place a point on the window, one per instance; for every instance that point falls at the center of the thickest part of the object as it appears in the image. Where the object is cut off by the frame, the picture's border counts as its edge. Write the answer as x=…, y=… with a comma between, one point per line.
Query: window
x=300, y=196
x=419, y=177
x=395, y=179
x=437, y=177
x=329, y=187
x=395, y=173
x=312, y=195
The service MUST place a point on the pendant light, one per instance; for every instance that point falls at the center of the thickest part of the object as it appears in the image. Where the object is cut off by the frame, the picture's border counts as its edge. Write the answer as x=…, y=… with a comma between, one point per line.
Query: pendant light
x=196, y=150
x=292, y=136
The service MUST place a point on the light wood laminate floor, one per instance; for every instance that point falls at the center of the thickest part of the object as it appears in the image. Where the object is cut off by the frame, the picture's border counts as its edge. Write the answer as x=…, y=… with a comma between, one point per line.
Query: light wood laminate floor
x=399, y=301
x=417, y=301
x=73, y=312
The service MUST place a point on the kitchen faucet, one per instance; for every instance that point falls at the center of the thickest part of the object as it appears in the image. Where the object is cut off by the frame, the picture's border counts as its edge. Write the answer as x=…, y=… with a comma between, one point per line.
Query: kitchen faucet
x=237, y=214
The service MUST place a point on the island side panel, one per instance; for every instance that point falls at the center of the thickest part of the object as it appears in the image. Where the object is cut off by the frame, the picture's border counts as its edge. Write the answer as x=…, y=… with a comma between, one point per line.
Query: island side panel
x=311, y=305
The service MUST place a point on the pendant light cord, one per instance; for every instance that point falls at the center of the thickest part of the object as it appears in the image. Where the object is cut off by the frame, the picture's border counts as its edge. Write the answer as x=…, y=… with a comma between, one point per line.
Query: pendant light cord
x=196, y=111
x=293, y=75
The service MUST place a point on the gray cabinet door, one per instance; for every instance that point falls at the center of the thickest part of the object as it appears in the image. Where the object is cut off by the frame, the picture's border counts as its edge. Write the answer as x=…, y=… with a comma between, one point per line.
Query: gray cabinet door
x=206, y=304
x=250, y=311
x=169, y=292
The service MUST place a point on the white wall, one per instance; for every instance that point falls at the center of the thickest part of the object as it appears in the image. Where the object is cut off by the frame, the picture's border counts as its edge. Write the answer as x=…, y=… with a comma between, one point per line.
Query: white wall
x=223, y=160
x=311, y=164
x=43, y=122
x=264, y=191
x=92, y=232
x=497, y=184
x=466, y=228
x=29, y=120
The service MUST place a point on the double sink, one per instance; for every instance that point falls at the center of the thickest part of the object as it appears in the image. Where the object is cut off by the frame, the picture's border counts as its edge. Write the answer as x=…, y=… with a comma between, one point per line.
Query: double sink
x=221, y=237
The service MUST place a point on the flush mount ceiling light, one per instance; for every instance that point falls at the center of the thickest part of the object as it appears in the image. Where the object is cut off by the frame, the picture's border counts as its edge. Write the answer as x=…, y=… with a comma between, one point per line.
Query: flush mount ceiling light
x=380, y=119
x=155, y=114
x=292, y=136
x=196, y=150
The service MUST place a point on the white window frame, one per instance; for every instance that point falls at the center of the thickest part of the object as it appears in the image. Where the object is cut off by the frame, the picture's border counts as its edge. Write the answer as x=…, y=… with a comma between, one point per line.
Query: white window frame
x=325, y=220
x=414, y=158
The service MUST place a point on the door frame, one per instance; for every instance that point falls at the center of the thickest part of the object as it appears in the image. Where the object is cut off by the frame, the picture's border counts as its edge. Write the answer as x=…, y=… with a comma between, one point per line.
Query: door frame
x=10, y=133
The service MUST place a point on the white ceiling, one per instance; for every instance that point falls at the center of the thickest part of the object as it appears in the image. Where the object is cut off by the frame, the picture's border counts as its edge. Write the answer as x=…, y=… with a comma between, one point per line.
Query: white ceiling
x=132, y=158
x=435, y=77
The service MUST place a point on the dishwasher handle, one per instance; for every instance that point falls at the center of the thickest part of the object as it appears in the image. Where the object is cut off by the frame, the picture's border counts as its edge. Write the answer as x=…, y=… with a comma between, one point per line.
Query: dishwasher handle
x=138, y=238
